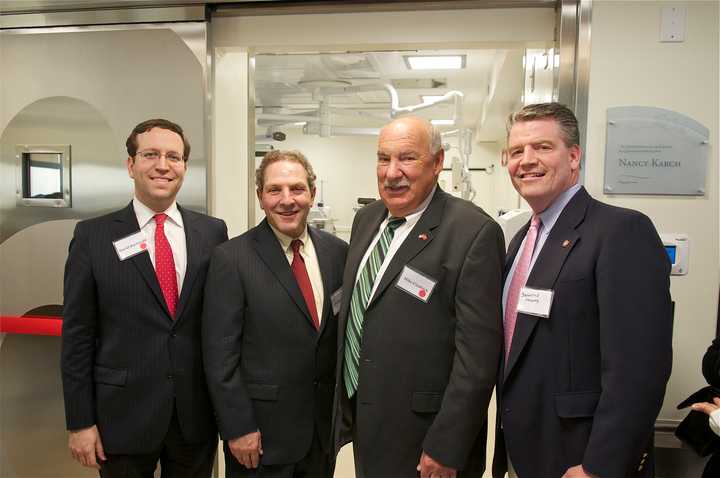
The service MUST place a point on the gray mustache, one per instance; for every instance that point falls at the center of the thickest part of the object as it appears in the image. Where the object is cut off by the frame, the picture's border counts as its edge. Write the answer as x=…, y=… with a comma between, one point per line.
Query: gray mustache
x=396, y=184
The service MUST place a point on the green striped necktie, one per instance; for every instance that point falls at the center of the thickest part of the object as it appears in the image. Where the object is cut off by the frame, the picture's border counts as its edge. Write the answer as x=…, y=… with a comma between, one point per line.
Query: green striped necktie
x=359, y=302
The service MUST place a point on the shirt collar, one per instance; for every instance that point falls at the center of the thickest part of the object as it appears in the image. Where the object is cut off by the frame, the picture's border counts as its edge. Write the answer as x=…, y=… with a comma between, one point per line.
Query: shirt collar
x=286, y=240
x=144, y=214
x=551, y=214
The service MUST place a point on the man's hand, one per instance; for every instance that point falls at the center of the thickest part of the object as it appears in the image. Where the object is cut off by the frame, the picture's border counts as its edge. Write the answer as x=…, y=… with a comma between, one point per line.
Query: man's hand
x=247, y=449
x=86, y=447
x=430, y=468
x=577, y=471
x=706, y=407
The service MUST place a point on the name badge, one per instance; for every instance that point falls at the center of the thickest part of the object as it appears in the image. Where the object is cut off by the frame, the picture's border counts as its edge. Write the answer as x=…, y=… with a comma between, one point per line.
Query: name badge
x=131, y=245
x=535, y=301
x=416, y=284
x=335, y=299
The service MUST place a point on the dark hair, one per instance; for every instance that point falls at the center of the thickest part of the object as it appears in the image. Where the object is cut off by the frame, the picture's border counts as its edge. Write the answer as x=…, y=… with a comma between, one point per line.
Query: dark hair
x=145, y=126
x=563, y=115
x=284, y=155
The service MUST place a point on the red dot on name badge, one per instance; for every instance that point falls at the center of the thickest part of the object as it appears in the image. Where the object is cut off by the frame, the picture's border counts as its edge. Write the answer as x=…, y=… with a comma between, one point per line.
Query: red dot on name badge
x=422, y=293
x=143, y=246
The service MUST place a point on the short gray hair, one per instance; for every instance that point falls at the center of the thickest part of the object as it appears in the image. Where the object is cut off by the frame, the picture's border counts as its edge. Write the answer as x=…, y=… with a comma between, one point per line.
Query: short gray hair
x=435, y=139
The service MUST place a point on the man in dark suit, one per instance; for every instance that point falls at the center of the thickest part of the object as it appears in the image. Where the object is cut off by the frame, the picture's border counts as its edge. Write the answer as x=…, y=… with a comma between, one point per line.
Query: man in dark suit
x=420, y=319
x=588, y=321
x=269, y=331
x=132, y=373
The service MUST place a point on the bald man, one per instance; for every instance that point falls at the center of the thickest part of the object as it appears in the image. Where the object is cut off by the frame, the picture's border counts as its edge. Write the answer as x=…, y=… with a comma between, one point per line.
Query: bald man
x=419, y=328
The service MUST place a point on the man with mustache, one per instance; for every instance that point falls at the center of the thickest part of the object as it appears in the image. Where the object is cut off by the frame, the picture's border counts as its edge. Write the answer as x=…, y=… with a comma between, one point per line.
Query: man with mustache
x=269, y=331
x=588, y=318
x=420, y=325
x=133, y=381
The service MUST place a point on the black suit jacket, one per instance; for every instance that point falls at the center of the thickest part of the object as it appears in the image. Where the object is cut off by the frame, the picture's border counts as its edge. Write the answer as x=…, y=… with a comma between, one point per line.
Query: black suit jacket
x=427, y=370
x=125, y=362
x=711, y=364
x=585, y=385
x=267, y=366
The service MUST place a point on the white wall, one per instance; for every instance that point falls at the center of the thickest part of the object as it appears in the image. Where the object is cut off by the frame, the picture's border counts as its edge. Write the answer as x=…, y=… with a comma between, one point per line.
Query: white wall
x=629, y=66
x=236, y=39
x=418, y=29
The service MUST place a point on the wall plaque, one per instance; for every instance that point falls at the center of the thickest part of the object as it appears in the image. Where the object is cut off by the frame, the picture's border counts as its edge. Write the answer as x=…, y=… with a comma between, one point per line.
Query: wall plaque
x=654, y=151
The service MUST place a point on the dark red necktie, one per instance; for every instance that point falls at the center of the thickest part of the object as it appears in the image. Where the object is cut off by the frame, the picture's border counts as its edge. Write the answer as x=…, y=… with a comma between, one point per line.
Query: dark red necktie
x=303, y=279
x=165, y=265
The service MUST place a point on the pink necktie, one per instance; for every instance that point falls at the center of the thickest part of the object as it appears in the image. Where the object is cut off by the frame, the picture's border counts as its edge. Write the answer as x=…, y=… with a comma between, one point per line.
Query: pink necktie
x=518, y=281
x=303, y=279
x=165, y=265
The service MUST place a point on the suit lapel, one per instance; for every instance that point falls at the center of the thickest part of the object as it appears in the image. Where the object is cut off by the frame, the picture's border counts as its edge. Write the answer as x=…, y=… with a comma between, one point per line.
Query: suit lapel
x=194, y=247
x=557, y=247
x=125, y=224
x=326, y=273
x=359, y=243
x=420, y=236
x=513, y=249
x=271, y=253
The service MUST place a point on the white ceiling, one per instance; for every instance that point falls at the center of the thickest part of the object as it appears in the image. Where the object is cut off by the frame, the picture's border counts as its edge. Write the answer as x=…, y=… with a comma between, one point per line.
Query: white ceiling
x=285, y=84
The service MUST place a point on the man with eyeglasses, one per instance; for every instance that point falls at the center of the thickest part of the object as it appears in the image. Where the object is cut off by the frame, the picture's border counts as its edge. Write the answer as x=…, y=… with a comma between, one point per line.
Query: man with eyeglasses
x=133, y=378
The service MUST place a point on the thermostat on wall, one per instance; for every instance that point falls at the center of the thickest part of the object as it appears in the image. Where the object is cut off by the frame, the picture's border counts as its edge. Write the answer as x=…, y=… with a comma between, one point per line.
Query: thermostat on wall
x=677, y=247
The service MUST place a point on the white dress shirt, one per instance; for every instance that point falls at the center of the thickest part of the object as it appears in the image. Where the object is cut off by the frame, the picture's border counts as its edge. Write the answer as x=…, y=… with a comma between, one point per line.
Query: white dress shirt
x=401, y=233
x=715, y=421
x=307, y=251
x=174, y=232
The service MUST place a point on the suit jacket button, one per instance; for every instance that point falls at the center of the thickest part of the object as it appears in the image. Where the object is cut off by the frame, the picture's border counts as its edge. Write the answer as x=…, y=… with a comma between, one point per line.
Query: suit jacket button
x=315, y=382
x=507, y=410
x=173, y=334
x=170, y=376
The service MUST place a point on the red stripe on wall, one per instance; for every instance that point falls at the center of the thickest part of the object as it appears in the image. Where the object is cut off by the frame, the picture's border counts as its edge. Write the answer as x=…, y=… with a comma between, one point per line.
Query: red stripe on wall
x=31, y=325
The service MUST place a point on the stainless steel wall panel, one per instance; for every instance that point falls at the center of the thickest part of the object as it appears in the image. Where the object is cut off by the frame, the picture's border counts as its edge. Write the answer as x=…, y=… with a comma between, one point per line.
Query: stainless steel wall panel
x=85, y=87
x=104, y=17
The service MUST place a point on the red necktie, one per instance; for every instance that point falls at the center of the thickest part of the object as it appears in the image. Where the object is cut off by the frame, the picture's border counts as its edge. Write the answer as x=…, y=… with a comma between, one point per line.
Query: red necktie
x=303, y=279
x=165, y=265
x=518, y=281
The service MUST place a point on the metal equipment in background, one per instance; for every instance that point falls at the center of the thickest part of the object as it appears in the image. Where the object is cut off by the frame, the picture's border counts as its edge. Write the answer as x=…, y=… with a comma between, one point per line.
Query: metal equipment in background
x=71, y=95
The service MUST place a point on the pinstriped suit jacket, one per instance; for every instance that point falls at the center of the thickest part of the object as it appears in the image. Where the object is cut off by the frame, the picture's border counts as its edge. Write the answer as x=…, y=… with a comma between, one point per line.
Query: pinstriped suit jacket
x=267, y=366
x=125, y=362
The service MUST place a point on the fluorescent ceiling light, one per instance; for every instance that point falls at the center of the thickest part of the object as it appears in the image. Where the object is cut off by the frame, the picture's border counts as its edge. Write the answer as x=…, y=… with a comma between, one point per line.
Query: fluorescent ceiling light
x=300, y=123
x=429, y=98
x=435, y=62
x=442, y=122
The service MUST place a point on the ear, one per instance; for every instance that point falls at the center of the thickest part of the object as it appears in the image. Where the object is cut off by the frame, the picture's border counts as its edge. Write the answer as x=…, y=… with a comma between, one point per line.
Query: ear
x=575, y=154
x=130, y=163
x=312, y=195
x=439, y=161
x=258, y=192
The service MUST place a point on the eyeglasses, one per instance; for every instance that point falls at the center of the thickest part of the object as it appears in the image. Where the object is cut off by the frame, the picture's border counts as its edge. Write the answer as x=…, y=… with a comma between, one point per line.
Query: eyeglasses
x=152, y=155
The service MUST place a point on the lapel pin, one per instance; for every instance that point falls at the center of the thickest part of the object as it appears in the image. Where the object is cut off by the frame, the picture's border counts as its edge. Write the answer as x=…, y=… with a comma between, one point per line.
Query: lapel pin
x=566, y=243
x=423, y=237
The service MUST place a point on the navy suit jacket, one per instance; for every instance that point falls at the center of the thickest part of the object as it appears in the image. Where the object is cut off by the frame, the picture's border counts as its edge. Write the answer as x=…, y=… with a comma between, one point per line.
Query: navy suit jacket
x=585, y=385
x=125, y=362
